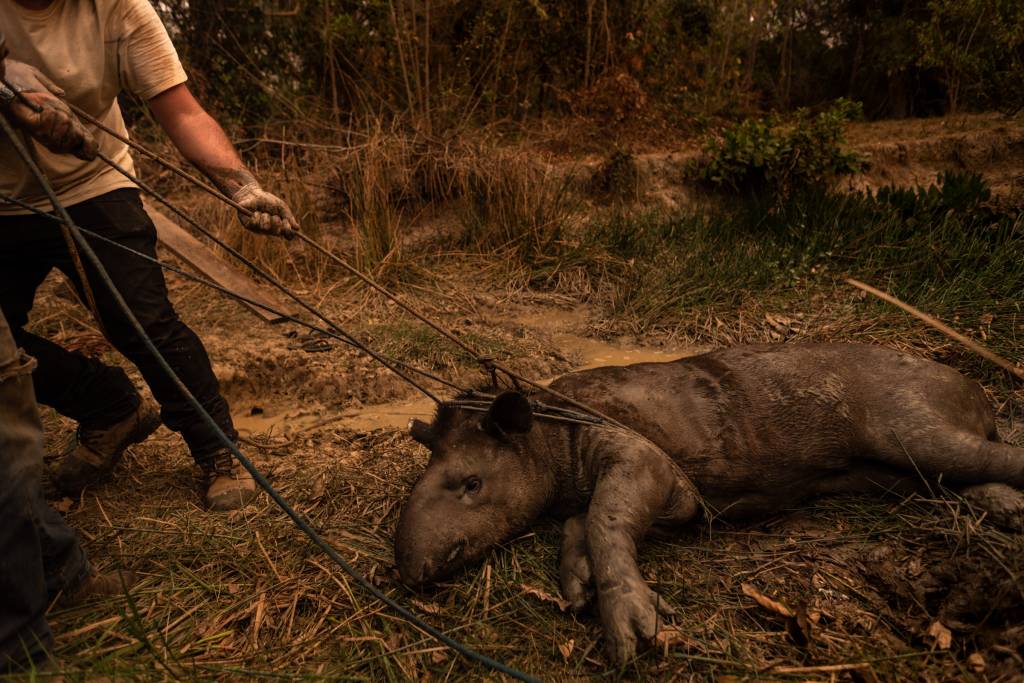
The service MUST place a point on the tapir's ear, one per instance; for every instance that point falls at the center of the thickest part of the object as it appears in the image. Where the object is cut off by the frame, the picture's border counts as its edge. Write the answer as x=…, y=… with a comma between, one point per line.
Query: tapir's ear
x=421, y=432
x=511, y=413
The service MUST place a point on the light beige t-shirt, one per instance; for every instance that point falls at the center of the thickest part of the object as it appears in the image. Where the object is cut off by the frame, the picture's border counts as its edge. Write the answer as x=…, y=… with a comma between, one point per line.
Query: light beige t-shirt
x=93, y=49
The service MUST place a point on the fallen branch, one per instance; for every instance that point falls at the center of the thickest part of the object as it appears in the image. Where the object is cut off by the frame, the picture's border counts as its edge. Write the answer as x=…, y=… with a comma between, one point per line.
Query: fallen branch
x=825, y=668
x=942, y=327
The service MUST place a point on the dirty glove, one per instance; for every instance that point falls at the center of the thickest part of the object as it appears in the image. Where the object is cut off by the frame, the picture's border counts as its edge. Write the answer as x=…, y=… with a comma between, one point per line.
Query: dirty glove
x=270, y=215
x=55, y=126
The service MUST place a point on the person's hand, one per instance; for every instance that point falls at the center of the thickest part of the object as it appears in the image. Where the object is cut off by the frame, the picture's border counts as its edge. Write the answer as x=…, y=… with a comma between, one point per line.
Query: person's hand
x=54, y=126
x=270, y=215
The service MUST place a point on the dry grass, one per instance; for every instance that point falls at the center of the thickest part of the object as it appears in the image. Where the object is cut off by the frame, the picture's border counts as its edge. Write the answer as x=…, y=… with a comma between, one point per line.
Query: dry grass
x=244, y=595
x=465, y=192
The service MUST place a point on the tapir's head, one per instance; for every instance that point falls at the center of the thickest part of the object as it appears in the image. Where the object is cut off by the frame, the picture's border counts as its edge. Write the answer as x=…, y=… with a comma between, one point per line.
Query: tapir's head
x=483, y=485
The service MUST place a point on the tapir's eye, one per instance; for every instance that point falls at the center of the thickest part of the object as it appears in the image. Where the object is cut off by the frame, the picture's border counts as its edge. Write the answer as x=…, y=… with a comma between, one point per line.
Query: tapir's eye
x=472, y=485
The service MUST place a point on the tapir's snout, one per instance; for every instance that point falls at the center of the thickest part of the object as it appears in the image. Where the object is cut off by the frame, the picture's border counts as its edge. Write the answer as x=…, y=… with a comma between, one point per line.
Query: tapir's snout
x=419, y=569
x=414, y=565
x=415, y=572
x=428, y=546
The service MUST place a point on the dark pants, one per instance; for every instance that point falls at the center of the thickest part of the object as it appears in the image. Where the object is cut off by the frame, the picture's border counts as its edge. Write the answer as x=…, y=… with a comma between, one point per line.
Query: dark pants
x=84, y=389
x=39, y=553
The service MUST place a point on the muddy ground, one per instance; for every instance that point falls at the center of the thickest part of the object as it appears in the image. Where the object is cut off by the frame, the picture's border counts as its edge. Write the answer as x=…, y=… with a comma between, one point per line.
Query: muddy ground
x=847, y=588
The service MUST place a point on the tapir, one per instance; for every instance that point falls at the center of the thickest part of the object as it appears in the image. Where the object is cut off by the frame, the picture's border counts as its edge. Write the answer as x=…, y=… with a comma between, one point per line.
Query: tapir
x=731, y=434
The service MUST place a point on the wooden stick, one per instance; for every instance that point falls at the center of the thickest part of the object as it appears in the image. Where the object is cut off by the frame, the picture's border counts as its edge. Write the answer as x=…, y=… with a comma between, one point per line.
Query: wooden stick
x=942, y=327
x=824, y=668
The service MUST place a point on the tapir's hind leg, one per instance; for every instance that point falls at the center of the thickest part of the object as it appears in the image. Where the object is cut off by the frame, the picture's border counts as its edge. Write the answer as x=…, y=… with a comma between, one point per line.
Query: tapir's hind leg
x=991, y=471
x=958, y=457
x=1002, y=504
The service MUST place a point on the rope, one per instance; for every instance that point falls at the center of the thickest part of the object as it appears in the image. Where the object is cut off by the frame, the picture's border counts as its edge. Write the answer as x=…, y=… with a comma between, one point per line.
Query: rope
x=541, y=410
x=87, y=250
x=20, y=96
x=206, y=187
x=264, y=274
x=90, y=299
x=76, y=258
x=485, y=362
x=229, y=293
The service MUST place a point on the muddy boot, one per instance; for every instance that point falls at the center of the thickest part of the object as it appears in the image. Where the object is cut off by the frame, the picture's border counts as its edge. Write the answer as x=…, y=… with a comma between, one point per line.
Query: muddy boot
x=228, y=485
x=98, y=586
x=96, y=452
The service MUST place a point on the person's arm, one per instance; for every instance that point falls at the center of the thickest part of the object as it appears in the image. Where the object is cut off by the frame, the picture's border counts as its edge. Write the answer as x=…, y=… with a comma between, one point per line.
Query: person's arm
x=202, y=141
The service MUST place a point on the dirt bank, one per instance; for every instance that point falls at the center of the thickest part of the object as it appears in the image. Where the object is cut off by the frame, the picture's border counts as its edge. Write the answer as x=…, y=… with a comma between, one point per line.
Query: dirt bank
x=902, y=153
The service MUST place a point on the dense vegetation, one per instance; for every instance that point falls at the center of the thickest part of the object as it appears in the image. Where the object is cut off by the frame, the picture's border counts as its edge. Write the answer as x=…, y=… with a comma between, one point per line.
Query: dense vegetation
x=441, y=62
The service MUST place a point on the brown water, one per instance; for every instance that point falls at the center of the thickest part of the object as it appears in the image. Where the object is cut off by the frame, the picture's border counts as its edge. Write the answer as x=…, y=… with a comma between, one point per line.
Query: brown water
x=590, y=353
x=558, y=325
x=595, y=353
x=274, y=421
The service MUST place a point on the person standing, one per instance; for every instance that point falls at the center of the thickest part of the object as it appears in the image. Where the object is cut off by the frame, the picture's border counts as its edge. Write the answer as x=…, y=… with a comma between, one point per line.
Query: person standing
x=87, y=53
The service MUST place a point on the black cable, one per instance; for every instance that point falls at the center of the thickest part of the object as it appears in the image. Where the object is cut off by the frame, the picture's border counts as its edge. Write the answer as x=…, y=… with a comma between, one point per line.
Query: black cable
x=262, y=273
x=482, y=403
x=230, y=293
x=86, y=248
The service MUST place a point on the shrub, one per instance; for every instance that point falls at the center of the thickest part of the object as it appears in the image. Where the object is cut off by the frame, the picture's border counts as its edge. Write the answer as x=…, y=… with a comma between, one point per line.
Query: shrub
x=962, y=192
x=762, y=156
x=617, y=179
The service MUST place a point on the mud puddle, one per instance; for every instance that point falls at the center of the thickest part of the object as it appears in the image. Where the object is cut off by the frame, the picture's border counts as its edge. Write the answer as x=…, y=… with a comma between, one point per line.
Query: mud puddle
x=563, y=328
x=585, y=352
x=275, y=421
x=282, y=423
x=595, y=353
x=394, y=415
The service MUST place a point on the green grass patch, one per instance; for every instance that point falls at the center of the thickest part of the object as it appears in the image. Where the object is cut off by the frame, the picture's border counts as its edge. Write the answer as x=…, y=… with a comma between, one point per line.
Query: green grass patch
x=947, y=250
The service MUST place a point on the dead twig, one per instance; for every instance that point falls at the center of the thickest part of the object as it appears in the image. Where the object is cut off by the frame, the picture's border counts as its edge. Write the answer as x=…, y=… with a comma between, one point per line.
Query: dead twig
x=941, y=327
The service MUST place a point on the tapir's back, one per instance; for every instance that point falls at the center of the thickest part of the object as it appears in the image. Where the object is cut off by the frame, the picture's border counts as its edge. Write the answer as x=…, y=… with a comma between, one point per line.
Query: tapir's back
x=749, y=415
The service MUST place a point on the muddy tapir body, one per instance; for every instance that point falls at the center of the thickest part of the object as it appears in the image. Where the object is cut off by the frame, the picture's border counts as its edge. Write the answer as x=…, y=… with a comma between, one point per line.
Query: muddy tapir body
x=734, y=433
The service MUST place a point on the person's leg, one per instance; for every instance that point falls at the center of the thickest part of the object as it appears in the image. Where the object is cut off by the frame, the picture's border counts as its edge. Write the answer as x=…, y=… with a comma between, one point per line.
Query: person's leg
x=84, y=389
x=119, y=216
x=39, y=554
x=110, y=413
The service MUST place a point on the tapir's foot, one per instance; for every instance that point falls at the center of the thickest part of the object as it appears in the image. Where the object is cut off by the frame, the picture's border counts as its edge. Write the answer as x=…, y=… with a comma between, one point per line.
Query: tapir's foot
x=1003, y=504
x=575, y=569
x=630, y=612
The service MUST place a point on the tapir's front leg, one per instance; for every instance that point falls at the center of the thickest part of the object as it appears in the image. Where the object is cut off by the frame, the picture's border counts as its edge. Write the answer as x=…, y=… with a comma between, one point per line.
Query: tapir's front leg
x=636, y=485
x=575, y=570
